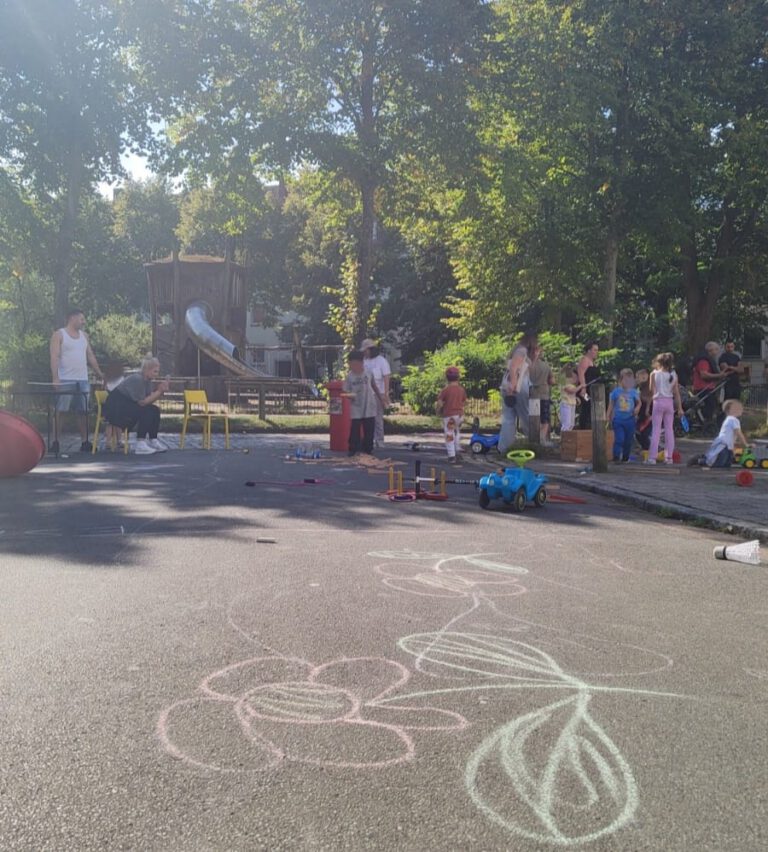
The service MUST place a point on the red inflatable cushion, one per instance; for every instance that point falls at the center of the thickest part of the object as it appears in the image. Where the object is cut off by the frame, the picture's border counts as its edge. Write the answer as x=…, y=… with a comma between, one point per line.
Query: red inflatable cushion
x=21, y=445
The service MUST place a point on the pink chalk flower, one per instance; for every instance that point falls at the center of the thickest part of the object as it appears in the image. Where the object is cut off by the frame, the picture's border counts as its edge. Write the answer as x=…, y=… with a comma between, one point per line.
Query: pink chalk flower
x=260, y=712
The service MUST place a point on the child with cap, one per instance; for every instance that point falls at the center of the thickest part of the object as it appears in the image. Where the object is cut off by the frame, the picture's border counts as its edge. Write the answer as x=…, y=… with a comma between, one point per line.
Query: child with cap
x=450, y=406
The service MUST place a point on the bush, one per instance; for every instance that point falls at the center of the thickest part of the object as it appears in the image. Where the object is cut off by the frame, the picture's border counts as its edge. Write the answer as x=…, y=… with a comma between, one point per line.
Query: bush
x=482, y=368
x=25, y=327
x=120, y=337
x=483, y=365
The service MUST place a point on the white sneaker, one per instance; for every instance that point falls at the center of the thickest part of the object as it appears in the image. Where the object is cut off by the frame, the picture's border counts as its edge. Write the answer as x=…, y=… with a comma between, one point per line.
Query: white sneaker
x=144, y=449
x=157, y=445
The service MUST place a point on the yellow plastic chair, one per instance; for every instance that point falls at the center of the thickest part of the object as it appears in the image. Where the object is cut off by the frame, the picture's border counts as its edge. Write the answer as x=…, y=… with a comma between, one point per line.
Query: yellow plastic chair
x=196, y=408
x=101, y=397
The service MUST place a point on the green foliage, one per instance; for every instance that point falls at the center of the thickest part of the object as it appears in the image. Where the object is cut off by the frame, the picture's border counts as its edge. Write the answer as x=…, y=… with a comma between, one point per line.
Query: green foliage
x=146, y=215
x=26, y=323
x=482, y=368
x=347, y=86
x=71, y=103
x=117, y=337
x=591, y=168
x=483, y=365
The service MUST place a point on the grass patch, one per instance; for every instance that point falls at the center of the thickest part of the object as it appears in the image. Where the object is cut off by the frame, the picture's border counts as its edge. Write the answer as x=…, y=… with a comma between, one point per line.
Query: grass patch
x=394, y=424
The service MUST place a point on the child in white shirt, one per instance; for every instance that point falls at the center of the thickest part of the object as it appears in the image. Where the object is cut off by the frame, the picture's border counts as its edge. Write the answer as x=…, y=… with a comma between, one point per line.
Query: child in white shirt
x=720, y=452
x=664, y=389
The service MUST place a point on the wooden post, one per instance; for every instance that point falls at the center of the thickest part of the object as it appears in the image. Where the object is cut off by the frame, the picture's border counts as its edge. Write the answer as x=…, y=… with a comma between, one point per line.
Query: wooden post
x=178, y=320
x=534, y=422
x=262, y=403
x=599, y=458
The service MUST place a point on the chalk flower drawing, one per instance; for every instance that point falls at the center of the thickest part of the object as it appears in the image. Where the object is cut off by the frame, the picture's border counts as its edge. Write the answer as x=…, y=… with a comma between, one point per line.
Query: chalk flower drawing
x=581, y=778
x=286, y=709
x=551, y=775
x=448, y=576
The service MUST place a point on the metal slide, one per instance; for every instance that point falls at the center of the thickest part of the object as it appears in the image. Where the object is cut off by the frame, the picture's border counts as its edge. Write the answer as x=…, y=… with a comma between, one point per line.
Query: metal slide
x=208, y=340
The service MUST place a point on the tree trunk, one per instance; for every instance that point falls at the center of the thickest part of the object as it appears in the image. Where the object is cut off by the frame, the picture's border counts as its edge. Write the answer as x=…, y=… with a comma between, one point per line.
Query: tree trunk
x=63, y=265
x=367, y=184
x=365, y=256
x=608, y=307
x=701, y=297
x=663, y=328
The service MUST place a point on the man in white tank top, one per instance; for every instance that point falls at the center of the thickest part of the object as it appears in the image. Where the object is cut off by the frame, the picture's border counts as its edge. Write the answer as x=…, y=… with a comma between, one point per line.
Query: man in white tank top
x=71, y=354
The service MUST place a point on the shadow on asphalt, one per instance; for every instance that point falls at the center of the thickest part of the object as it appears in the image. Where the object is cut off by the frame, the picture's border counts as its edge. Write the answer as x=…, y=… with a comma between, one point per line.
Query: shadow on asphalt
x=96, y=510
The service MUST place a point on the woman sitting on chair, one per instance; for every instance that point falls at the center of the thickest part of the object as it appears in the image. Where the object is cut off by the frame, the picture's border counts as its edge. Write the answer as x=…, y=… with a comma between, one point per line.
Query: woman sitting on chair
x=131, y=405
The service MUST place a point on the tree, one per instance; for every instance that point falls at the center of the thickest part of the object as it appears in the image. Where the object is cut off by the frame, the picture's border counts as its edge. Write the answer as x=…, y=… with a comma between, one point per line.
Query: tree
x=147, y=216
x=623, y=164
x=344, y=84
x=69, y=107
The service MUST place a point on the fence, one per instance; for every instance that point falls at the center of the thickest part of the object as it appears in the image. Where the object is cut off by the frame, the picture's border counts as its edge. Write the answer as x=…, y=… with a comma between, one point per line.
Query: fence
x=482, y=408
x=264, y=397
x=755, y=396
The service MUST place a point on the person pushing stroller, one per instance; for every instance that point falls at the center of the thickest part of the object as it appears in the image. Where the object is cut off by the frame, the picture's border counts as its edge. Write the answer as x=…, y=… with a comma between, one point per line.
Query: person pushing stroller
x=707, y=377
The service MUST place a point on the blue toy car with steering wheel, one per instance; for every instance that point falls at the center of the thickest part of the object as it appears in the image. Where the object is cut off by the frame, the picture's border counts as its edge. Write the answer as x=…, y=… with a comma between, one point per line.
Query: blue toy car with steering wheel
x=515, y=486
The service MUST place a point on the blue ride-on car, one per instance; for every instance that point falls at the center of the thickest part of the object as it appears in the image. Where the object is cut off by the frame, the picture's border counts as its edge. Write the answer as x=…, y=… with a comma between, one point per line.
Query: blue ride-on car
x=480, y=444
x=515, y=486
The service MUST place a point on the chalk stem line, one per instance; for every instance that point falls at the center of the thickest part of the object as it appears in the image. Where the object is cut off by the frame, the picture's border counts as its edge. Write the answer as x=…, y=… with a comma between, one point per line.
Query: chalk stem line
x=581, y=687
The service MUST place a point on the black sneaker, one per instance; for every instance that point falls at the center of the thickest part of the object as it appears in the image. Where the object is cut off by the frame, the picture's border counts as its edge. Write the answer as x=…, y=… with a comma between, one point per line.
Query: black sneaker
x=86, y=447
x=54, y=448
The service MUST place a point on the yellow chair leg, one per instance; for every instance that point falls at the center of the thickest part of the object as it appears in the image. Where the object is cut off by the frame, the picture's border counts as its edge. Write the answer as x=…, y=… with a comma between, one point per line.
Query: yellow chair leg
x=183, y=432
x=96, y=434
x=226, y=432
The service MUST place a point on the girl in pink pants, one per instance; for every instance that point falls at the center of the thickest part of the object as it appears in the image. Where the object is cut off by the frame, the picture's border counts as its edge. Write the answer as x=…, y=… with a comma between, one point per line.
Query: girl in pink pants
x=664, y=389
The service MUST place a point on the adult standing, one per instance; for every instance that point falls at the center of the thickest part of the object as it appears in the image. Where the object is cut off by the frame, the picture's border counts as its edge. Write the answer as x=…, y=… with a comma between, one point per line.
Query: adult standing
x=540, y=375
x=730, y=360
x=132, y=405
x=515, y=388
x=588, y=372
x=377, y=367
x=71, y=354
x=706, y=375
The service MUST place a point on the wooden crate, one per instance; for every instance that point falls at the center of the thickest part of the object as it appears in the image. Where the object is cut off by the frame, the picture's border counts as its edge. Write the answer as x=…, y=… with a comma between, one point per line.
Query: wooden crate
x=576, y=445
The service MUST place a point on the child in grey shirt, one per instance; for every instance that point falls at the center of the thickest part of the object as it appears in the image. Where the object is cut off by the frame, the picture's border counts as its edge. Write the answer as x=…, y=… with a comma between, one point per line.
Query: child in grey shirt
x=359, y=389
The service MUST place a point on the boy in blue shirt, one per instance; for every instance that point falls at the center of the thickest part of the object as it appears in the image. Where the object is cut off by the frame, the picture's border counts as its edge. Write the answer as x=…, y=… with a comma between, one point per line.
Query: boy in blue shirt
x=622, y=412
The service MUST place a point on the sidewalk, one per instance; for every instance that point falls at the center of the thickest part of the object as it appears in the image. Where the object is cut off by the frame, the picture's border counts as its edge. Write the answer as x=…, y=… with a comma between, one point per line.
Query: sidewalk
x=705, y=497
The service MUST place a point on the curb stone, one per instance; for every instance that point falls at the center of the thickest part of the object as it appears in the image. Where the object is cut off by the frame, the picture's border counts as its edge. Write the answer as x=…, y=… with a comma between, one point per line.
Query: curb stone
x=677, y=511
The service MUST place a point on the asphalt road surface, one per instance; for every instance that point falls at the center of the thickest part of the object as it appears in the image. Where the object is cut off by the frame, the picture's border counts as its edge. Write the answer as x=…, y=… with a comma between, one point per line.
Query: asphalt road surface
x=193, y=663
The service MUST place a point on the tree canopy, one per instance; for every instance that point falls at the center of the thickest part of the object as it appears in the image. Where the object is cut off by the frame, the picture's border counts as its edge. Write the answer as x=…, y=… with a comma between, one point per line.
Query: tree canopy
x=429, y=169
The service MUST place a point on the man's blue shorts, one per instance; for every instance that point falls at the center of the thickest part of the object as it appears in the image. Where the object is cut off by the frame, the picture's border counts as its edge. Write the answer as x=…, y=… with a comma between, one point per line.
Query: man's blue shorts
x=75, y=397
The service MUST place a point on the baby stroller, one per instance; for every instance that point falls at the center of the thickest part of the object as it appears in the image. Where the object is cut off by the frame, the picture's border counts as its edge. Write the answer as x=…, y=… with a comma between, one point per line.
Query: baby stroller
x=694, y=409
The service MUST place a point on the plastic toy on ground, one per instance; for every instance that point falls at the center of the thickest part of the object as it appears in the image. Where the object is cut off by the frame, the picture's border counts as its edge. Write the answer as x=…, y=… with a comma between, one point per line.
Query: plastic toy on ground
x=755, y=456
x=480, y=444
x=515, y=486
x=21, y=445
